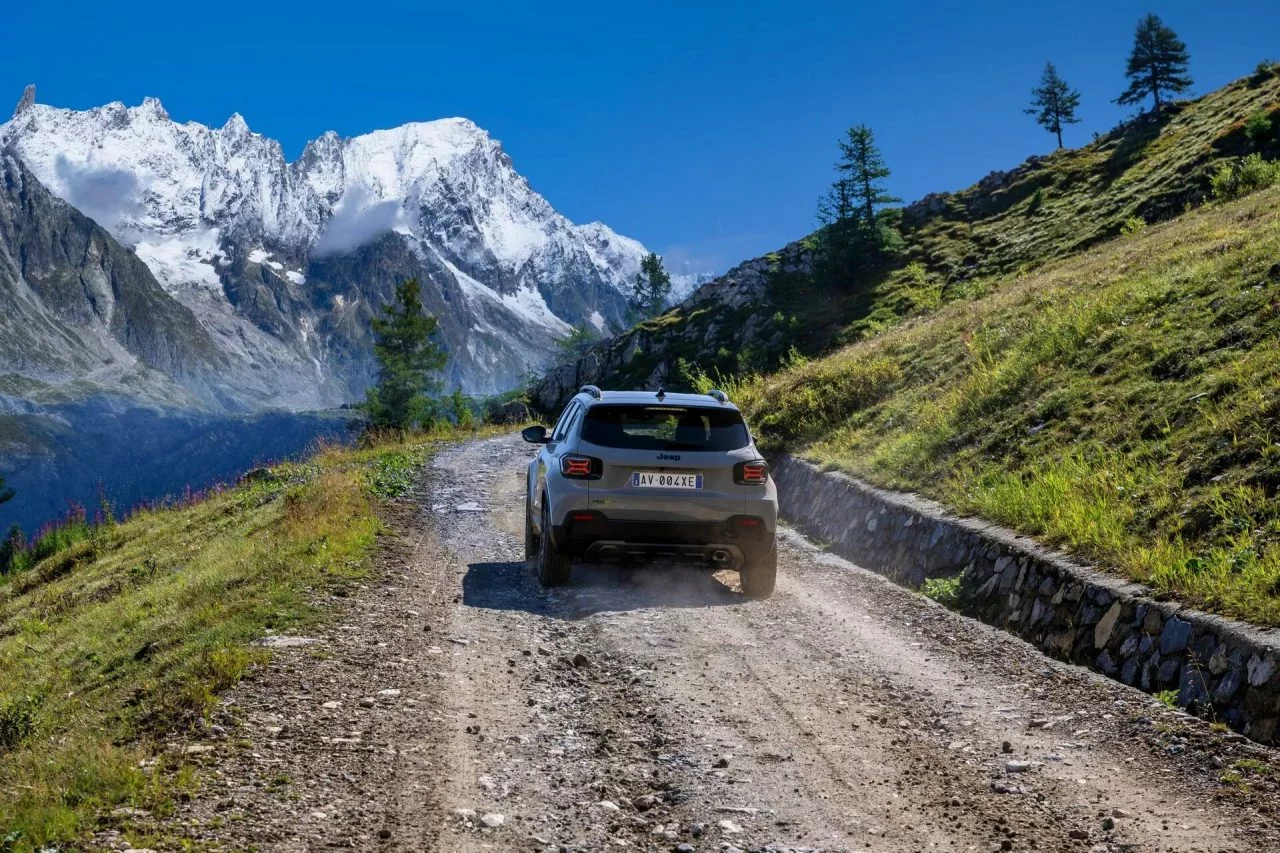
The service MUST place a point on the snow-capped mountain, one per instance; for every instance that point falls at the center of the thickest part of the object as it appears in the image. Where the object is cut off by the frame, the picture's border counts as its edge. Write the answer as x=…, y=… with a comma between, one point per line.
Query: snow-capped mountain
x=283, y=264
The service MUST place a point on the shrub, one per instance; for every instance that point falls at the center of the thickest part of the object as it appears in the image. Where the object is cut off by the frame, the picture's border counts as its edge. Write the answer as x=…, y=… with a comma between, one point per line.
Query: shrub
x=945, y=591
x=1133, y=225
x=1258, y=127
x=17, y=721
x=1265, y=69
x=1249, y=175
x=921, y=293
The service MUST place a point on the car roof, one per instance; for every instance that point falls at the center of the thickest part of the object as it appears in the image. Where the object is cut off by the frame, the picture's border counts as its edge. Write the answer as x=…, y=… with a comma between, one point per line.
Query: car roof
x=650, y=398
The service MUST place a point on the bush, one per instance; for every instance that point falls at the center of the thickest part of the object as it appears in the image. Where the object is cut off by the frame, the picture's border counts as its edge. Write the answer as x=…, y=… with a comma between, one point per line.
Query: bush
x=1265, y=69
x=1258, y=127
x=945, y=591
x=920, y=292
x=17, y=721
x=1133, y=225
x=1245, y=176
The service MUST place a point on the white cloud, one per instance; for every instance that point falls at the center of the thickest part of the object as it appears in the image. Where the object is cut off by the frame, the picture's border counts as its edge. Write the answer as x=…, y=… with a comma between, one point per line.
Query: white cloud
x=357, y=220
x=106, y=195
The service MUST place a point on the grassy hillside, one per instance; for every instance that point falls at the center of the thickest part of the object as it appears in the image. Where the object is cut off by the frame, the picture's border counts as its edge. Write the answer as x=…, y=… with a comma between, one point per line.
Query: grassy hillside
x=1123, y=402
x=957, y=246
x=114, y=637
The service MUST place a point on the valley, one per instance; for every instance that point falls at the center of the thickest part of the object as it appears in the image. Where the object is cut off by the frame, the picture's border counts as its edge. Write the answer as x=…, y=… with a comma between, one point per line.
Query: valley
x=265, y=578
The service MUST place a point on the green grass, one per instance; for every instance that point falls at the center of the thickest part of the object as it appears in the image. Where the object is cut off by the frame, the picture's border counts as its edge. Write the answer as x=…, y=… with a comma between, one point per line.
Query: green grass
x=1123, y=403
x=118, y=638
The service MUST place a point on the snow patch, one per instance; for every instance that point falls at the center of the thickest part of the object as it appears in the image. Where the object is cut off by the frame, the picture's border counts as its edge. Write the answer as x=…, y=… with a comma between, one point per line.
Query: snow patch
x=527, y=302
x=596, y=320
x=295, y=276
x=257, y=256
x=183, y=261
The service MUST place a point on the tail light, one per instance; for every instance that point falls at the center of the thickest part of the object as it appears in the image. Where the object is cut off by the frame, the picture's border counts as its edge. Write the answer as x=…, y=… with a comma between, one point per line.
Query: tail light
x=581, y=467
x=751, y=473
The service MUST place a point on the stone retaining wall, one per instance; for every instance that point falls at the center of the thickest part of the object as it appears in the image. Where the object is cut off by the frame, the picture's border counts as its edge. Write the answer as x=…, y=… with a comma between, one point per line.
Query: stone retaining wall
x=1218, y=666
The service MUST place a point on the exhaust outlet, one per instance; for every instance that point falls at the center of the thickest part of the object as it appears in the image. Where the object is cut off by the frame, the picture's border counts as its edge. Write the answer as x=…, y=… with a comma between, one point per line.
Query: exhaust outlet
x=720, y=556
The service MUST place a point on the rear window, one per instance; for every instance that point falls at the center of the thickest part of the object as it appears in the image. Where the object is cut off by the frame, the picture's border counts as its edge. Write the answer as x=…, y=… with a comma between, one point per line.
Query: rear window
x=664, y=428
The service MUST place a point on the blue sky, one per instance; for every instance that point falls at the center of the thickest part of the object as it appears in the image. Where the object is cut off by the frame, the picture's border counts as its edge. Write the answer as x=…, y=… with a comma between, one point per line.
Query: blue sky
x=704, y=129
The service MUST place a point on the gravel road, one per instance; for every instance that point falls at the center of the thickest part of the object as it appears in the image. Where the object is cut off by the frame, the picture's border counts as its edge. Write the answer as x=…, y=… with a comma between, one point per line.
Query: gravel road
x=458, y=707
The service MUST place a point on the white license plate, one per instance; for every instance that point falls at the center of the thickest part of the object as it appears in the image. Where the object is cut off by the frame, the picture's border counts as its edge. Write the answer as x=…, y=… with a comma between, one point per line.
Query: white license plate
x=661, y=480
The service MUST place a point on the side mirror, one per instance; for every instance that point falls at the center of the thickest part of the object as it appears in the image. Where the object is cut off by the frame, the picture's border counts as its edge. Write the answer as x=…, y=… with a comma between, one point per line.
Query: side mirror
x=534, y=434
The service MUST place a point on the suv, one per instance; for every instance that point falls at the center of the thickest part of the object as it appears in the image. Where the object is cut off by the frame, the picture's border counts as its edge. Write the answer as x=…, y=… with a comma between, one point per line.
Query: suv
x=631, y=474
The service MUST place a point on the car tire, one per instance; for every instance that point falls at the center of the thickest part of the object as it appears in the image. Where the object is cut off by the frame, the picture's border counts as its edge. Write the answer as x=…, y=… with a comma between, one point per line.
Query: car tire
x=553, y=566
x=759, y=576
x=530, y=535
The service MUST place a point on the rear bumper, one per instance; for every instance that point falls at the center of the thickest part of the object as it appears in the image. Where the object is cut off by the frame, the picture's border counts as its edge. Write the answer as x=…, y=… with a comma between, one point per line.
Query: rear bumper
x=593, y=535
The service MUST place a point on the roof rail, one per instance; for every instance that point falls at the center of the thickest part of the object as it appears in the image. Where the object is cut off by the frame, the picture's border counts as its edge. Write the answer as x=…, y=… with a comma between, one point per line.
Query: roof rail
x=590, y=389
x=718, y=395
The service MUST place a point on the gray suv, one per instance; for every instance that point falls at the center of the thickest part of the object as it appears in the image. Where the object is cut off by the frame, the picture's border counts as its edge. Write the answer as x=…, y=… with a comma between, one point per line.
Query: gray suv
x=629, y=475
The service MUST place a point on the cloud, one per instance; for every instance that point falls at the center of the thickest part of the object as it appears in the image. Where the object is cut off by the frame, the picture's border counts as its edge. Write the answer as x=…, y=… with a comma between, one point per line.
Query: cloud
x=106, y=195
x=357, y=220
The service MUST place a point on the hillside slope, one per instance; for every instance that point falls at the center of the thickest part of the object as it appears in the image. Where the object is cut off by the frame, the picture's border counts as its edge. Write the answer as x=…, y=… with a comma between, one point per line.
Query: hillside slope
x=115, y=639
x=957, y=246
x=1123, y=403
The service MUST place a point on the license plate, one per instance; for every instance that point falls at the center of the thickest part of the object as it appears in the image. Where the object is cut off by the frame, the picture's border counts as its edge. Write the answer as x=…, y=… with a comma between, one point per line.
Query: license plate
x=660, y=480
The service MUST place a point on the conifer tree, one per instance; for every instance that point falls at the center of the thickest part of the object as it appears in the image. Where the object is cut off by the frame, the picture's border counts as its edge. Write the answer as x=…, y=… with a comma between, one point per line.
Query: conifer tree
x=1055, y=102
x=653, y=286
x=853, y=233
x=863, y=166
x=408, y=360
x=1157, y=65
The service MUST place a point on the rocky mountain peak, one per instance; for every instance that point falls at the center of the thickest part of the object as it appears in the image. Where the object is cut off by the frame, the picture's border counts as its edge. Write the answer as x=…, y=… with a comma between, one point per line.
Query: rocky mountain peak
x=28, y=98
x=287, y=262
x=236, y=125
x=153, y=108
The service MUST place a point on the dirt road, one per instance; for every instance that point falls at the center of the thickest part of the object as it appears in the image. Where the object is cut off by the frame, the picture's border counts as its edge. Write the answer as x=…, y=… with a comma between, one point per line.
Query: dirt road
x=460, y=707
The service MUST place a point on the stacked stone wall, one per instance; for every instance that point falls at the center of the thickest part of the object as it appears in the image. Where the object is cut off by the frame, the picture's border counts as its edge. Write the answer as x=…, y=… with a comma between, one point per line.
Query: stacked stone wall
x=1217, y=666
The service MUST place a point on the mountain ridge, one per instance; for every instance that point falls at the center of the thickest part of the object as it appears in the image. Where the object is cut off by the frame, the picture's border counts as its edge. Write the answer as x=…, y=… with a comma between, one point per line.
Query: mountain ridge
x=231, y=229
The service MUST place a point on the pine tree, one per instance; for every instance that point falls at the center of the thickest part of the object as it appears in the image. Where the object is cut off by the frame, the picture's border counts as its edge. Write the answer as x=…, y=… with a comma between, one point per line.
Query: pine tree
x=577, y=342
x=853, y=233
x=1055, y=102
x=836, y=208
x=1158, y=64
x=6, y=494
x=862, y=165
x=408, y=360
x=653, y=286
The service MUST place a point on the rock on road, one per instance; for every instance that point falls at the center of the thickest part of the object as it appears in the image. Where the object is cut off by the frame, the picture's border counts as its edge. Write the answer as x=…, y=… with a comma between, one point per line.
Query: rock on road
x=460, y=707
